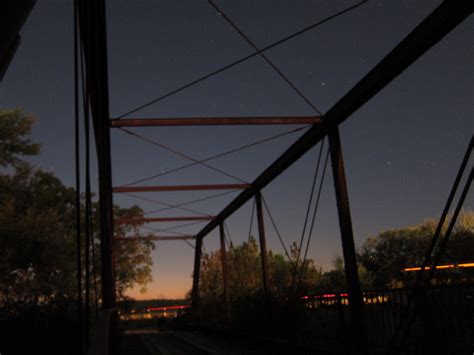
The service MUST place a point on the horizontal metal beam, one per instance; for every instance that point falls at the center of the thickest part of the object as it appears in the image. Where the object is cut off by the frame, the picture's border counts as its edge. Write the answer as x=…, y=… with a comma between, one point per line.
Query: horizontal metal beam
x=439, y=23
x=158, y=238
x=163, y=219
x=180, y=188
x=212, y=121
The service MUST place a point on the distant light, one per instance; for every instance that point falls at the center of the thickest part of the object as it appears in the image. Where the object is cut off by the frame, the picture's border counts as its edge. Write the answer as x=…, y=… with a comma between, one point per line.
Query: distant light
x=447, y=266
x=450, y=266
x=167, y=308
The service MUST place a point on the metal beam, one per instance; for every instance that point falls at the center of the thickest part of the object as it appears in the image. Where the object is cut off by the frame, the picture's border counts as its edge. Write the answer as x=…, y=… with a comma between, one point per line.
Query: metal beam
x=163, y=219
x=356, y=304
x=212, y=121
x=93, y=38
x=263, y=243
x=225, y=274
x=180, y=188
x=434, y=240
x=13, y=14
x=439, y=23
x=158, y=238
x=196, y=273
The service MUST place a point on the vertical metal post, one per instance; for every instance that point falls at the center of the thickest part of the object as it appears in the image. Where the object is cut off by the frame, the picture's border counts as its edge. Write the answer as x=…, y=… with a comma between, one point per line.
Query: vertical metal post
x=350, y=263
x=263, y=243
x=106, y=224
x=225, y=274
x=78, y=179
x=197, y=269
x=93, y=38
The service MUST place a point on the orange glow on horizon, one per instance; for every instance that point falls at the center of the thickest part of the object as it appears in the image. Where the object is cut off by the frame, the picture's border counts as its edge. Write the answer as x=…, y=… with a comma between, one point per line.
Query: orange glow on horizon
x=174, y=290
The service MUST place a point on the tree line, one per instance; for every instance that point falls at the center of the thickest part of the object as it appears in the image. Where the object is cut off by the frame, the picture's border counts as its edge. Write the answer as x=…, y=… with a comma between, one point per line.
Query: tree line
x=381, y=263
x=38, y=233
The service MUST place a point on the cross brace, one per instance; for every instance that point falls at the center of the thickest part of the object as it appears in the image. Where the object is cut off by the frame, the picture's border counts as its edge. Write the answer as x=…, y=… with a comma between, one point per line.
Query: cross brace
x=181, y=188
x=157, y=238
x=162, y=219
x=212, y=121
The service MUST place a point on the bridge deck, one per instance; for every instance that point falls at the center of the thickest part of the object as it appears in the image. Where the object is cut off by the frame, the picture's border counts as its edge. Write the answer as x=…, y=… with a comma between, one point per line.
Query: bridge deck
x=154, y=341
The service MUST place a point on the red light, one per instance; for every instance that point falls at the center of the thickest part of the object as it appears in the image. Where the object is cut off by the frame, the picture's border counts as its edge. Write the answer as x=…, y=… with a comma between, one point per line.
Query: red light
x=167, y=308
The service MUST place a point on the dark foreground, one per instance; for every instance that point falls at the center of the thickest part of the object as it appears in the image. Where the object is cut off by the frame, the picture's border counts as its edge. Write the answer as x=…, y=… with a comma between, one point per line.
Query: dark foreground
x=170, y=342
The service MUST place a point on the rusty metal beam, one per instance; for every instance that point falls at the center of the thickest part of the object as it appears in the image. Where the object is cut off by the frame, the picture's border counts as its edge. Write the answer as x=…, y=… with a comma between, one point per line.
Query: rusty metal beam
x=13, y=14
x=92, y=28
x=196, y=273
x=158, y=238
x=356, y=303
x=180, y=188
x=225, y=274
x=212, y=121
x=163, y=219
x=429, y=32
x=263, y=243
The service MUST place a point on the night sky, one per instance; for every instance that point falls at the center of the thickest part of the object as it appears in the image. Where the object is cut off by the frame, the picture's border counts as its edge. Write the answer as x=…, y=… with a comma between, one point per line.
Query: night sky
x=402, y=149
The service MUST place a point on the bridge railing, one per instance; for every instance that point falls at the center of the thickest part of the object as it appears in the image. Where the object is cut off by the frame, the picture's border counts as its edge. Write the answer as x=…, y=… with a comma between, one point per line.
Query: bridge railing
x=442, y=319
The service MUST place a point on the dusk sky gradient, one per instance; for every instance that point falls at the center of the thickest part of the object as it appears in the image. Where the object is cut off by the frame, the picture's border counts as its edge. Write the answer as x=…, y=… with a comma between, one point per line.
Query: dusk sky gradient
x=402, y=149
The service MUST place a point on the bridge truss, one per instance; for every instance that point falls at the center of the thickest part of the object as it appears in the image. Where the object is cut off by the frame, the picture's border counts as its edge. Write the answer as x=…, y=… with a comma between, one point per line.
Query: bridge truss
x=91, y=19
